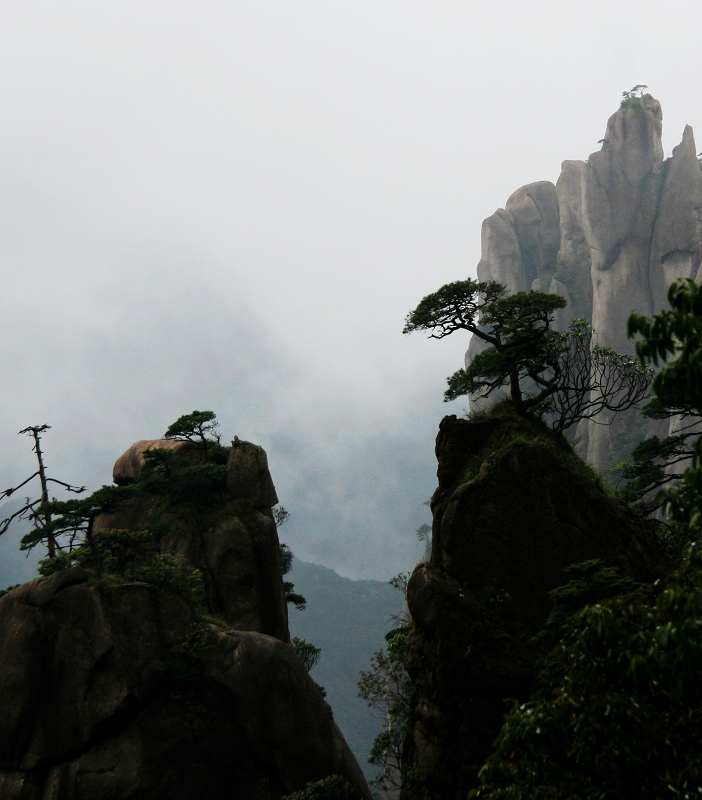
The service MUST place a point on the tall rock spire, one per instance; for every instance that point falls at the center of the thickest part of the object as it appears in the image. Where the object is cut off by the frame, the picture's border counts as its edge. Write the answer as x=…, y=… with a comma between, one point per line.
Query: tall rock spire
x=611, y=236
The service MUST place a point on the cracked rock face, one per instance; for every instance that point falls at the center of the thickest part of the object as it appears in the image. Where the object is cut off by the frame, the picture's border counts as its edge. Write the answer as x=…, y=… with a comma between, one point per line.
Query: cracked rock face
x=95, y=706
x=611, y=236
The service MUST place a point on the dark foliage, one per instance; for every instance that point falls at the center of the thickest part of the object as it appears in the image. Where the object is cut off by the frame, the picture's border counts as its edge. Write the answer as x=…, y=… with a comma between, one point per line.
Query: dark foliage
x=333, y=787
x=560, y=377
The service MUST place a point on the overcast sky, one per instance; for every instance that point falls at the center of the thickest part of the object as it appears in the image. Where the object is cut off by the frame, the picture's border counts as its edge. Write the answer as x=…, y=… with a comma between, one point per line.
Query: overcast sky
x=233, y=205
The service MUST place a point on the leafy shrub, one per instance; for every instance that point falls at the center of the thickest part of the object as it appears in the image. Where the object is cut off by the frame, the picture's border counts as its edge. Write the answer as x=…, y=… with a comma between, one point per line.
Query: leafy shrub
x=173, y=573
x=621, y=711
x=386, y=687
x=132, y=556
x=333, y=787
x=182, y=668
x=306, y=652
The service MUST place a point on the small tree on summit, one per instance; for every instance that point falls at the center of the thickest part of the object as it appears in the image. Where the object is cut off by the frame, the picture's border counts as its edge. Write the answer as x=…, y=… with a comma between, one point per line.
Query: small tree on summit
x=200, y=426
x=559, y=376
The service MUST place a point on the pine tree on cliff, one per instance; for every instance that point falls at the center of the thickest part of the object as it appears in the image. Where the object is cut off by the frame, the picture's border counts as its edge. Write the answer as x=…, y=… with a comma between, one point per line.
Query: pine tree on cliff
x=619, y=710
x=561, y=377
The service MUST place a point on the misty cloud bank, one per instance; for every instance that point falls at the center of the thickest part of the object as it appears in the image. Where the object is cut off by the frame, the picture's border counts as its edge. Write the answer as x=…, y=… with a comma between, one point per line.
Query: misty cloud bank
x=234, y=206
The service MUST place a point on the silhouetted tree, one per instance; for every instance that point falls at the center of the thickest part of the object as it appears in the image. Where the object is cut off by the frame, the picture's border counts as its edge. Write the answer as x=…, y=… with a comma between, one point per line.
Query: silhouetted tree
x=32, y=506
x=200, y=426
x=561, y=377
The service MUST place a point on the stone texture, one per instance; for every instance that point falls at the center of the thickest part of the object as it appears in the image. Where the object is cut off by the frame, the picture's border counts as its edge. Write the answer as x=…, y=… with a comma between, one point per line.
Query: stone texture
x=129, y=464
x=248, y=476
x=629, y=222
x=573, y=259
x=240, y=563
x=501, y=254
x=90, y=710
x=676, y=247
x=238, y=554
x=511, y=512
x=535, y=218
x=617, y=177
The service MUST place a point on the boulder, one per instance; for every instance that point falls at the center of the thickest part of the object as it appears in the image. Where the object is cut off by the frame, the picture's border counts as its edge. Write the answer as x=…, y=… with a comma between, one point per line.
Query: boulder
x=239, y=560
x=116, y=692
x=129, y=464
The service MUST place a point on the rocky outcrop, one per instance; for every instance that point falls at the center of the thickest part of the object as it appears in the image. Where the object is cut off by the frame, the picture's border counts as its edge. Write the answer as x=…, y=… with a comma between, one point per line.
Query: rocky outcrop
x=514, y=508
x=121, y=690
x=115, y=692
x=235, y=545
x=248, y=477
x=611, y=236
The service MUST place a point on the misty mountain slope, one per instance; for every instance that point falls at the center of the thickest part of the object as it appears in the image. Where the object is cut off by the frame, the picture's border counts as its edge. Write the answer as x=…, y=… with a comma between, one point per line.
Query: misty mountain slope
x=348, y=619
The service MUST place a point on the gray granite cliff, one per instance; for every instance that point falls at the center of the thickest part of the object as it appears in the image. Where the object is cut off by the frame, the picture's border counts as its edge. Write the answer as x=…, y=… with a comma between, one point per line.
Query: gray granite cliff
x=610, y=236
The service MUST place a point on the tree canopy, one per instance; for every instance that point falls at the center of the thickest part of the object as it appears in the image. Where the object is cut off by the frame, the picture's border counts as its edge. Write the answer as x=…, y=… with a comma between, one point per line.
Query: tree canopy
x=621, y=713
x=561, y=377
x=199, y=426
x=674, y=337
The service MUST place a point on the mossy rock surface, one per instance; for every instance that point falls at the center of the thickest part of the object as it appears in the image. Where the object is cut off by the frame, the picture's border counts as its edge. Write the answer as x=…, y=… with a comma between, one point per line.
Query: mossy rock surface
x=515, y=507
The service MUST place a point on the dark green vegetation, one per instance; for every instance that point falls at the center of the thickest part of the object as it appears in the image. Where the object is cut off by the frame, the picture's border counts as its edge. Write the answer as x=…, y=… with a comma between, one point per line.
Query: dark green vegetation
x=632, y=98
x=183, y=483
x=123, y=555
x=618, y=707
x=675, y=336
x=306, y=652
x=655, y=462
x=333, y=787
x=386, y=688
x=187, y=482
x=200, y=426
x=286, y=559
x=556, y=376
x=347, y=619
